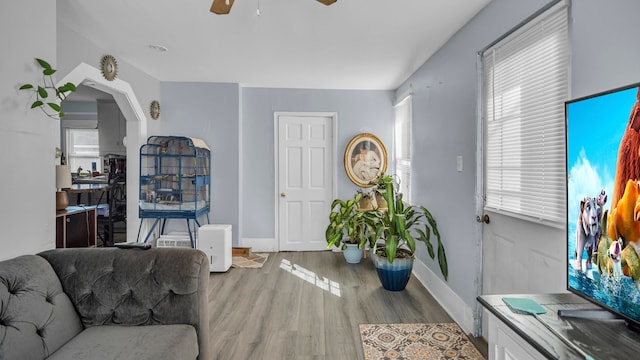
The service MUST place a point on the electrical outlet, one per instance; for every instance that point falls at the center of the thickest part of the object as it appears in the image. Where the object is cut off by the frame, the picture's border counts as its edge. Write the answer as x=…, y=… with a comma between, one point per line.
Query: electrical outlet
x=459, y=162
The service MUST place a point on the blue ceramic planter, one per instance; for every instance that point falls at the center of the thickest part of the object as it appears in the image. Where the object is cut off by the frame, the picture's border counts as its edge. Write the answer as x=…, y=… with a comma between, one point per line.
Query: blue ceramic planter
x=352, y=253
x=393, y=276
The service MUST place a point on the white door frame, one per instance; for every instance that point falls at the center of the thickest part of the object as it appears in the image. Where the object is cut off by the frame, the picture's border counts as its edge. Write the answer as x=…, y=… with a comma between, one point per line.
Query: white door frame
x=479, y=194
x=276, y=143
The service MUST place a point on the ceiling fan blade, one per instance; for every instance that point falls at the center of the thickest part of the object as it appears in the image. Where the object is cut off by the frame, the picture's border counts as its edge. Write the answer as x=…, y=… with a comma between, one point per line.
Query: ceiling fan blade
x=221, y=7
x=327, y=2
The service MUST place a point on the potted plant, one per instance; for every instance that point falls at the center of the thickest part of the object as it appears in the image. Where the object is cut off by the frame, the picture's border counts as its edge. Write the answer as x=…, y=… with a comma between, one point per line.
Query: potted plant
x=42, y=92
x=346, y=228
x=395, y=231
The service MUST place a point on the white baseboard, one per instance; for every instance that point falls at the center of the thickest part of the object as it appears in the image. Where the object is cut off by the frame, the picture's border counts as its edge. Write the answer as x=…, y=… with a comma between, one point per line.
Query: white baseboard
x=260, y=244
x=449, y=300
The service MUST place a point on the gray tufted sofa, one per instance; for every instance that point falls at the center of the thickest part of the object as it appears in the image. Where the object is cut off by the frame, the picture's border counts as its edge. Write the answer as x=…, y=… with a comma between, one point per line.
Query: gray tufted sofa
x=105, y=303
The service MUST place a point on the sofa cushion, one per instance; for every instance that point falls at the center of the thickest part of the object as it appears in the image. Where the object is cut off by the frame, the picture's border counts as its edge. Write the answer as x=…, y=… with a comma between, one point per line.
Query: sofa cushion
x=111, y=286
x=159, y=286
x=36, y=316
x=113, y=342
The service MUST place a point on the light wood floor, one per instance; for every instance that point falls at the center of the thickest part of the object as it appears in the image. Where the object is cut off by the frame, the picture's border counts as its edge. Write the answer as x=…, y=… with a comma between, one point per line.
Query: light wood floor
x=307, y=305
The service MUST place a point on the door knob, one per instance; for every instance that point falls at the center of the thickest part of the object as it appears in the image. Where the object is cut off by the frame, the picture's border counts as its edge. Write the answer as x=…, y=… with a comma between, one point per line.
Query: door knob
x=283, y=194
x=483, y=219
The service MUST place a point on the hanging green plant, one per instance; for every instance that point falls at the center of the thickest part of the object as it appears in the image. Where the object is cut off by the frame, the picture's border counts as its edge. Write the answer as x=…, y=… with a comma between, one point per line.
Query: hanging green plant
x=51, y=108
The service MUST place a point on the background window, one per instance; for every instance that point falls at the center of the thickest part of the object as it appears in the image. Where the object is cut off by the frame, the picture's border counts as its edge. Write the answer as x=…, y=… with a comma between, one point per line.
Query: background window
x=403, y=118
x=82, y=149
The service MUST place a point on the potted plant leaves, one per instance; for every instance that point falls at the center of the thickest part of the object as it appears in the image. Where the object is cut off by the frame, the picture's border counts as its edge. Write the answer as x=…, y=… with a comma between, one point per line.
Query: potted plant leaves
x=347, y=228
x=51, y=107
x=393, y=236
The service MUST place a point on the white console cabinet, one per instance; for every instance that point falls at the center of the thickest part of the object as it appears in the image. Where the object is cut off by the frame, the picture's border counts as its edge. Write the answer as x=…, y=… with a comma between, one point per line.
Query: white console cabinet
x=516, y=336
x=505, y=344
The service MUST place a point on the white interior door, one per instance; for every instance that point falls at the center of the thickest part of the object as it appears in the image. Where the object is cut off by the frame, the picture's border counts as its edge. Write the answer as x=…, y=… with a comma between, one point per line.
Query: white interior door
x=306, y=170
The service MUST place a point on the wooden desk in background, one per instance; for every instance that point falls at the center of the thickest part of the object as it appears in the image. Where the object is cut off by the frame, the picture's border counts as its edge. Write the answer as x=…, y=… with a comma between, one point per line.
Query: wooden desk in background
x=76, y=227
x=88, y=188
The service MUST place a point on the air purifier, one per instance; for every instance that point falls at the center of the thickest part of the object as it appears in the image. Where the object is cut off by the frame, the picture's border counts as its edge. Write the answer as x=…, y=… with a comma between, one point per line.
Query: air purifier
x=215, y=241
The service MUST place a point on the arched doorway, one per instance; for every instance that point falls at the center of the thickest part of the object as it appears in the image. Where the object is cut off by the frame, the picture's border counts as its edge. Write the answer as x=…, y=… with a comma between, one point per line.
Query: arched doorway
x=136, y=130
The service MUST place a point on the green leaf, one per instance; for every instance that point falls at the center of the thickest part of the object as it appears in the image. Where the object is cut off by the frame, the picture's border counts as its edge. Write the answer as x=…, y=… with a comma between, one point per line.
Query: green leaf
x=70, y=86
x=442, y=260
x=389, y=198
x=48, y=72
x=430, y=250
x=42, y=92
x=61, y=114
x=54, y=106
x=335, y=202
x=26, y=86
x=43, y=64
x=392, y=247
x=334, y=240
x=424, y=237
x=36, y=104
x=411, y=242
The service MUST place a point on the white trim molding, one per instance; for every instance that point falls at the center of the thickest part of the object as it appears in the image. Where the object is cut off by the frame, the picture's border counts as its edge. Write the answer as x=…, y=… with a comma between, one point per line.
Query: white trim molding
x=449, y=300
x=260, y=244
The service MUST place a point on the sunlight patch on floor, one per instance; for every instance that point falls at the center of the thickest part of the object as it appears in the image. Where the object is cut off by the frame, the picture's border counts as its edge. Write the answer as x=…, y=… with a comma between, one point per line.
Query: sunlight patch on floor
x=309, y=276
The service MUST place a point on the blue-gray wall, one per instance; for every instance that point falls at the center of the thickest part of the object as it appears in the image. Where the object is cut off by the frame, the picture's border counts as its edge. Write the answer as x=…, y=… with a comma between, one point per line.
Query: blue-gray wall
x=238, y=124
x=603, y=35
x=605, y=52
x=358, y=112
x=210, y=112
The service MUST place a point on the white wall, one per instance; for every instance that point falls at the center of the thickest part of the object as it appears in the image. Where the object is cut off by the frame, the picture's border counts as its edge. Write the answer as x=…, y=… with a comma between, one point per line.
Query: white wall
x=73, y=49
x=27, y=137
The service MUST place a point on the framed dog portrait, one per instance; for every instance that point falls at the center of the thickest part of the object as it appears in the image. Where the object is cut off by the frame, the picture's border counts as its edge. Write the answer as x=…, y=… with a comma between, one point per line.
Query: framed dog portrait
x=364, y=159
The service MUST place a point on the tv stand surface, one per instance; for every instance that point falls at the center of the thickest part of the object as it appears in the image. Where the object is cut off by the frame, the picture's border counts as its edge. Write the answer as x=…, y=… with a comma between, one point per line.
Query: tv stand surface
x=520, y=336
x=593, y=314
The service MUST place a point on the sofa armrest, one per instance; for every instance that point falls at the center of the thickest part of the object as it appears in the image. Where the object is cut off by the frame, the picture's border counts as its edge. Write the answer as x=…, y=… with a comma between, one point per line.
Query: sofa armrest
x=137, y=287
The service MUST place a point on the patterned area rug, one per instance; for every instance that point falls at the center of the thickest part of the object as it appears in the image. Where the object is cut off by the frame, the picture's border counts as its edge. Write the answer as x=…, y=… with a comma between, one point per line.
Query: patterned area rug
x=416, y=341
x=253, y=261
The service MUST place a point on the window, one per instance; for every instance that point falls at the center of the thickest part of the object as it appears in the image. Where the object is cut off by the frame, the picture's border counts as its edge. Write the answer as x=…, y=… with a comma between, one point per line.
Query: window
x=82, y=149
x=403, y=146
x=525, y=83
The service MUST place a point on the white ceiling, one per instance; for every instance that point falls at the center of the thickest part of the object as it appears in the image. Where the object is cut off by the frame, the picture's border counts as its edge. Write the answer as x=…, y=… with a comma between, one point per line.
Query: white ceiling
x=352, y=44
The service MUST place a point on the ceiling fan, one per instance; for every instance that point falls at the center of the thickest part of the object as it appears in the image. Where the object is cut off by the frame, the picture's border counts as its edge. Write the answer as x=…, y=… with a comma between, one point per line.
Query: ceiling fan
x=222, y=7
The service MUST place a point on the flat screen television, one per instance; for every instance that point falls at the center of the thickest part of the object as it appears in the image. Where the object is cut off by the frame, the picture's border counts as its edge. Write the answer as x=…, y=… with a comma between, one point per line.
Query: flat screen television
x=603, y=199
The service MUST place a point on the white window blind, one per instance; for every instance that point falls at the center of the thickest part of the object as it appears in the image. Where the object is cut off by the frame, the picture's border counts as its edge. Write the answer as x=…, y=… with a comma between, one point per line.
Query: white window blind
x=525, y=83
x=402, y=134
x=83, y=149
